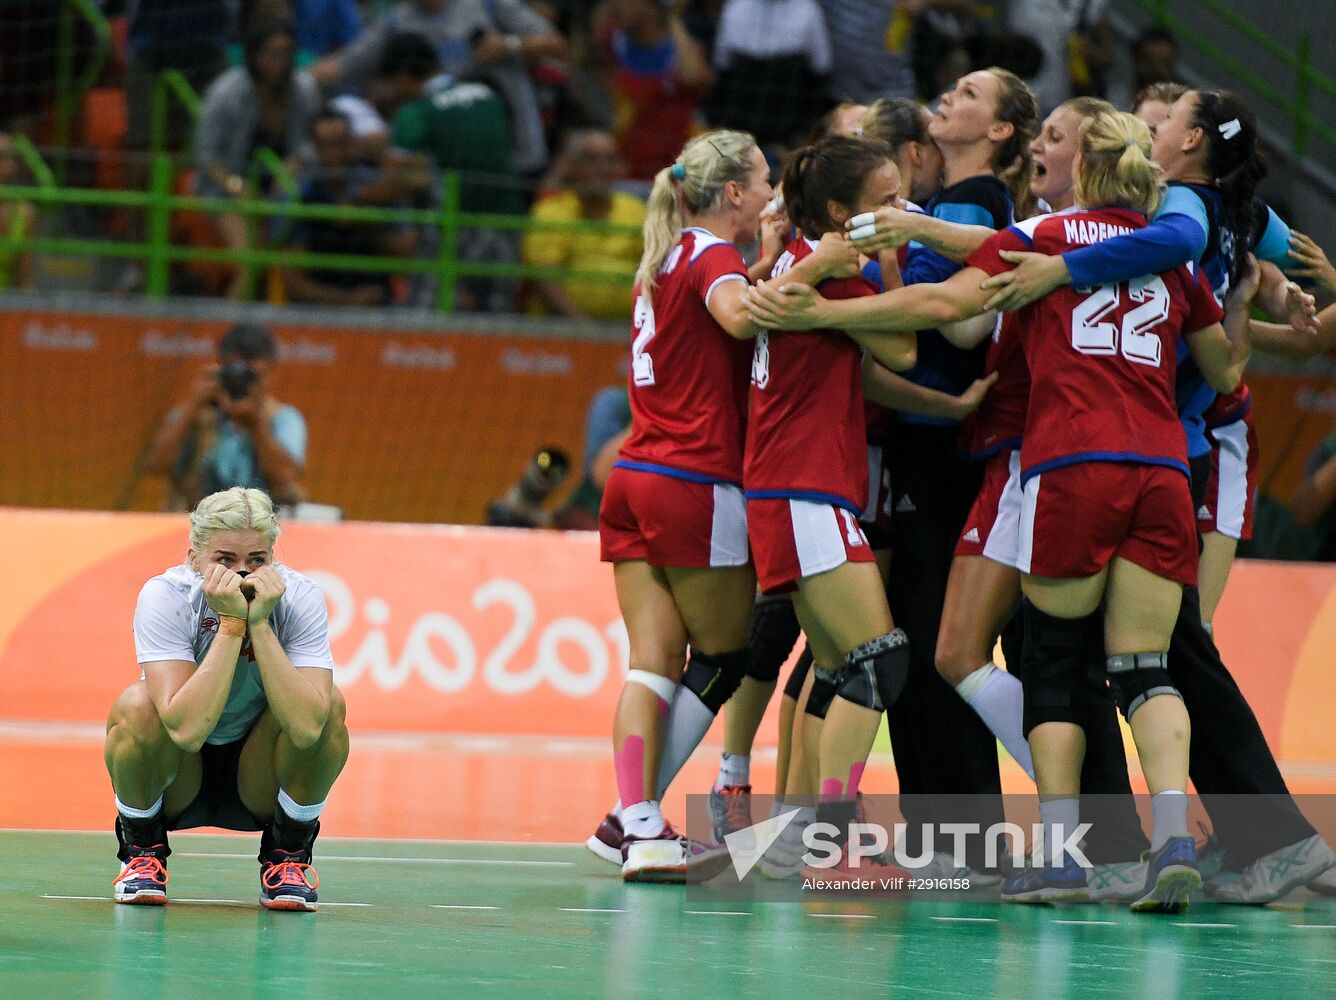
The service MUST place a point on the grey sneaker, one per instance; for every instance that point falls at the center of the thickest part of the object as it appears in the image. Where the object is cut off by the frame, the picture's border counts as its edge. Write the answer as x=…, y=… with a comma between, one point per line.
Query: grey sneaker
x=1117, y=882
x=943, y=866
x=1273, y=875
x=1324, y=884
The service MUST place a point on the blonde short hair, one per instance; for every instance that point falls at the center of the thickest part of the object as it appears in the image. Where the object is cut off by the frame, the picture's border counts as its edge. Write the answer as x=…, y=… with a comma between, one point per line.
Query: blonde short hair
x=235, y=509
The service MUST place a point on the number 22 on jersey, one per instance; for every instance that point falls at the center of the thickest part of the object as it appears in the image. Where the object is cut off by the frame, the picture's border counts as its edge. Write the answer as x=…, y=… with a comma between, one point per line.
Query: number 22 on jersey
x=1095, y=330
x=642, y=365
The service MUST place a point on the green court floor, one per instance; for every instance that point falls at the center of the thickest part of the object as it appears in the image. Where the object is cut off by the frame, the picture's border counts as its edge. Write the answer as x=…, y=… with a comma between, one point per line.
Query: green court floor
x=442, y=919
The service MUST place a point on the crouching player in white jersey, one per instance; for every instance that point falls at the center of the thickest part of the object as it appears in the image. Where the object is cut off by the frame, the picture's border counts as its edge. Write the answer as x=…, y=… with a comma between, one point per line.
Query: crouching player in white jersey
x=235, y=721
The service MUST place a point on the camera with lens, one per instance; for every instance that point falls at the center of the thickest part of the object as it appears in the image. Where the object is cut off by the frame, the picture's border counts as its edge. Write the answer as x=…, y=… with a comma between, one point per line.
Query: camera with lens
x=236, y=379
x=522, y=505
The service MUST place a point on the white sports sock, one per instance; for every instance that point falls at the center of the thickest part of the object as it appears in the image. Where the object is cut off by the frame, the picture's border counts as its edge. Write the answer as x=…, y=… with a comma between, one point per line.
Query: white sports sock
x=999, y=700
x=688, y=722
x=734, y=769
x=642, y=819
x=302, y=814
x=130, y=812
x=1060, y=817
x=1169, y=811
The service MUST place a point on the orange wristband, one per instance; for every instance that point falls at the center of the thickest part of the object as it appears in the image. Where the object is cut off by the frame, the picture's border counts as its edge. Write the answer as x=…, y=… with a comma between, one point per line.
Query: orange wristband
x=231, y=626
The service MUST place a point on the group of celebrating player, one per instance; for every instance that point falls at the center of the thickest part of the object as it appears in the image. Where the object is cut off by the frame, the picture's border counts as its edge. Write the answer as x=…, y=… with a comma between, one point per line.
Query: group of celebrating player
x=1015, y=412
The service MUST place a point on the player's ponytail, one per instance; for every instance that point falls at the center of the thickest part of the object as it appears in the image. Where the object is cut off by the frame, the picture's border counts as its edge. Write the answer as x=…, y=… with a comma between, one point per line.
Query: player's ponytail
x=1011, y=160
x=694, y=183
x=833, y=169
x=1235, y=166
x=1116, y=168
x=237, y=509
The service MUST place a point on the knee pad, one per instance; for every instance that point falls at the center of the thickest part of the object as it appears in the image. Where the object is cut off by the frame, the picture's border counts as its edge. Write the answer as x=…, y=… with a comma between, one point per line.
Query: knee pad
x=824, y=685
x=713, y=677
x=877, y=671
x=774, y=630
x=1055, y=669
x=793, y=687
x=1135, y=678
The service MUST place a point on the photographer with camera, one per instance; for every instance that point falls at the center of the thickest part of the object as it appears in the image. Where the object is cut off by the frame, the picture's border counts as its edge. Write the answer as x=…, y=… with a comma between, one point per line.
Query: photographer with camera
x=522, y=504
x=230, y=431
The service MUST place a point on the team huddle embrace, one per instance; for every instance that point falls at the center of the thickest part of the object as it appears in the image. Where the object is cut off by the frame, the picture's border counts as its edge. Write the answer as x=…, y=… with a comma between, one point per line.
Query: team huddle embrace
x=903, y=432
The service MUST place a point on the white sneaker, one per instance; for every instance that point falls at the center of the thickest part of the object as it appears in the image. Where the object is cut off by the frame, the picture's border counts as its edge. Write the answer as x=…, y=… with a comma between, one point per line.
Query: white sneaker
x=1324, y=884
x=1273, y=875
x=1117, y=882
x=784, y=858
x=671, y=858
x=943, y=866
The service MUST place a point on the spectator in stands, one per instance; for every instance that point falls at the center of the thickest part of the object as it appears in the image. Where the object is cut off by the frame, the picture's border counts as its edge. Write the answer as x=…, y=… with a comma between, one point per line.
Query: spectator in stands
x=231, y=431
x=773, y=62
x=587, y=167
x=458, y=125
x=1154, y=58
x=325, y=26
x=338, y=179
x=869, y=45
x=17, y=218
x=265, y=103
x=1077, y=43
x=657, y=74
x=490, y=40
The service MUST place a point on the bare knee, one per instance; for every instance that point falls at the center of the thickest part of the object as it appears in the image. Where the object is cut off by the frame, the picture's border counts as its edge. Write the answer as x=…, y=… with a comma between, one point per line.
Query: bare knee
x=134, y=718
x=956, y=658
x=335, y=733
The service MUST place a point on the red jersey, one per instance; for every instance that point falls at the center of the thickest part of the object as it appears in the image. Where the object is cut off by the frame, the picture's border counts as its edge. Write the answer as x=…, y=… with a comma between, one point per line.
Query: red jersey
x=1102, y=360
x=1229, y=407
x=1000, y=422
x=653, y=115
x=807, y=432
x=688, y=377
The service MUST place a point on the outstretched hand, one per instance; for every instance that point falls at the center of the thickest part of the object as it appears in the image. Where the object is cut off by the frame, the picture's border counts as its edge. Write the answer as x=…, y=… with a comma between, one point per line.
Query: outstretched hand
x=777, y=306
x=972, y=398
x=1033, y=277
x=887, y=228
x=1311, y=262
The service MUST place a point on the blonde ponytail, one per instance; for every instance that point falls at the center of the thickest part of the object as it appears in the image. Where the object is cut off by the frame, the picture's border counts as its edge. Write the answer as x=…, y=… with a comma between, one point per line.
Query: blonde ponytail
x=1116, y=168
x=694, y=183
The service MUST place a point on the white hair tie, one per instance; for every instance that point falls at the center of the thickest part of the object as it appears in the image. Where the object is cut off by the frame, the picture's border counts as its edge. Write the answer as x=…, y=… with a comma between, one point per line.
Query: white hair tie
x=1231, y=128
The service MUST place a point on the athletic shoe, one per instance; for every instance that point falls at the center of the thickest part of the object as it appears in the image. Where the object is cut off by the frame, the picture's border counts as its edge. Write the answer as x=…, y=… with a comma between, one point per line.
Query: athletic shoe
x=288, y=882
x=943, y=866
x=671, y=858
x=730, y=810
x=1273, y=875
x=1047, y=885
x=607, y=840
x=1117, y=882
x=884, y=876
x=143, y=879
x=1324, y=884
x=1171, y=877
x=783, y=859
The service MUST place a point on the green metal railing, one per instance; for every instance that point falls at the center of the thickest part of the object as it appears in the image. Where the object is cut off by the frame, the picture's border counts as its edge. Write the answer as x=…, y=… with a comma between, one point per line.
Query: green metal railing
x=1297, y=104
x=157, y=252
x=70, y=91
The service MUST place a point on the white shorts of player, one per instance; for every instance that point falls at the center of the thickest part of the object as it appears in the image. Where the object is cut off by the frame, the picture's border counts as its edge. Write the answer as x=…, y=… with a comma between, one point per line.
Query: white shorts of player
x=1004, y=537
x=728, y=530
x=1231, y=499
x=823, y=536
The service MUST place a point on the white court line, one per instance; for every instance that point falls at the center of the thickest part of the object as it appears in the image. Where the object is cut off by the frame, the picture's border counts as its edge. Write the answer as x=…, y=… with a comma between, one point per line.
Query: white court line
x=587, y=909
x=1185, y=923
x=322, y=858
x=461, y=906
x=845, y=916
x=1315, y=927
x=325, y=902
x=967, y=920
x=1088, y=923
x=718, y=913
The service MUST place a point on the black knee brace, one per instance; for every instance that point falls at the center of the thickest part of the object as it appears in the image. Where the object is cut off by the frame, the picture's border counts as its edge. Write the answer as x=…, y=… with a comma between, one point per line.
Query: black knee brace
x=824, y=685
x=713, y=677
x=774, y=630
x=1054, y=670
x=1137, y=677
x=793, y=687
x=877, y=671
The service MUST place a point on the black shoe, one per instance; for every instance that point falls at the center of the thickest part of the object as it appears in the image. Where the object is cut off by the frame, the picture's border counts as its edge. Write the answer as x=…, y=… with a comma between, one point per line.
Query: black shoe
x=143, y=879
x=287, y=880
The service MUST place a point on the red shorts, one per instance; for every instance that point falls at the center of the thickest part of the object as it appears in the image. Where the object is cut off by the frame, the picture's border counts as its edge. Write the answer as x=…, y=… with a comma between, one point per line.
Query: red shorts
x=876, y=516
x=1076, y=518
x=1232, y=489
x=993, y=528
x=793, y=539
x=672, y=522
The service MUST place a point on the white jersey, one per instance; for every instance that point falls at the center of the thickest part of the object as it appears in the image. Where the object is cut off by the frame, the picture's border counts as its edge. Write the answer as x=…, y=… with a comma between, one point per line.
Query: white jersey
x=173, y=622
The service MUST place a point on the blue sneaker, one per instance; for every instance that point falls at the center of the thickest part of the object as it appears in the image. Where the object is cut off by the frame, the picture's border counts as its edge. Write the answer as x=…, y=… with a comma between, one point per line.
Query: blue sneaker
x=1047, y=885
x=1171, y=877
